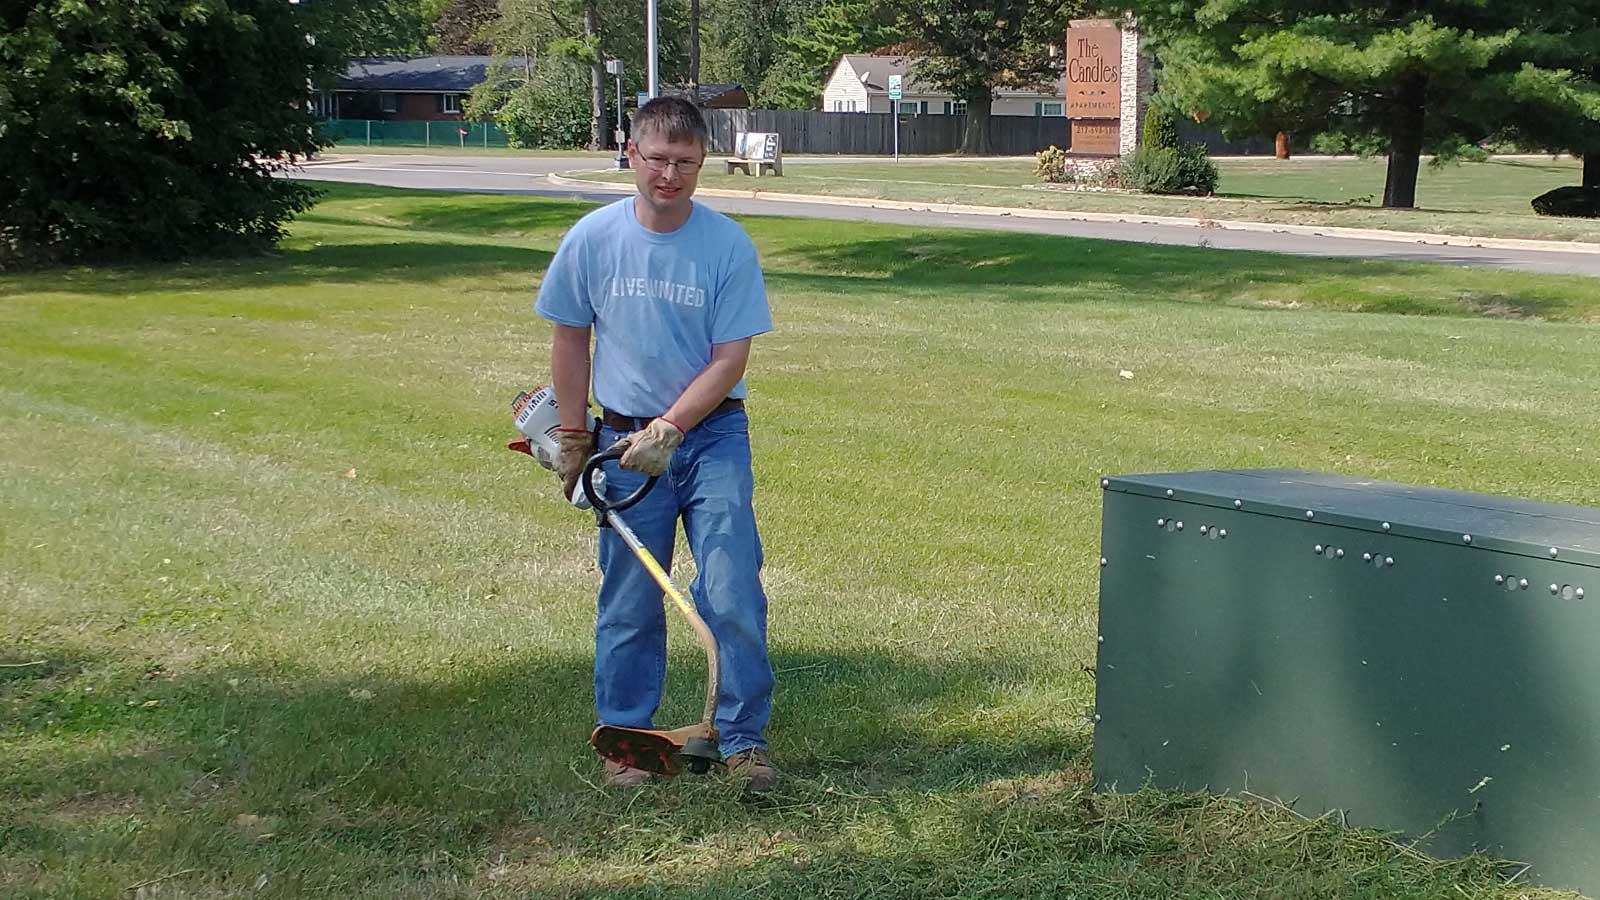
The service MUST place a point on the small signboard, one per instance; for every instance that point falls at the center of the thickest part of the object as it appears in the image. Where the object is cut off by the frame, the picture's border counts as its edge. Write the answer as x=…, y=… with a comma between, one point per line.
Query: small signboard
x=756, y=145
x=642, y=98
x=894, y=87
x=1096, y=137
x=755, y=152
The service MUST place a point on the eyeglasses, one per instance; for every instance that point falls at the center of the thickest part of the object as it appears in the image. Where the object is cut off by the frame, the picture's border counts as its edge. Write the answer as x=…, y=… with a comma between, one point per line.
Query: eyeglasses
x=662, y=163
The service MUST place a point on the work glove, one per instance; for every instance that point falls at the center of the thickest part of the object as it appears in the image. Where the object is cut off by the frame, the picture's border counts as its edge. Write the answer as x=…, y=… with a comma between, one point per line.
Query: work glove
x=577, y=445
x=650, y=449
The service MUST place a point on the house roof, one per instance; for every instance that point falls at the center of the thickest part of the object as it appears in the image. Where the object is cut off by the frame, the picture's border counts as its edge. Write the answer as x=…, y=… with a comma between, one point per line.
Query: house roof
x=415, y=73
x=875, y=71
x=728, y=96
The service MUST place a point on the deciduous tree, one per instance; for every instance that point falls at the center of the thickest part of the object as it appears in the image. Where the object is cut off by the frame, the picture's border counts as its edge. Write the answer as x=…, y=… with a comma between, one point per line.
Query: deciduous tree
x=151, y=128
x=977, y=47
x=462, y=27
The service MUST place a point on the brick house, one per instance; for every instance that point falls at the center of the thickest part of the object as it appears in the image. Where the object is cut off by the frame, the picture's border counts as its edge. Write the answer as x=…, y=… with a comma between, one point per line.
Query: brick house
x=418, y=88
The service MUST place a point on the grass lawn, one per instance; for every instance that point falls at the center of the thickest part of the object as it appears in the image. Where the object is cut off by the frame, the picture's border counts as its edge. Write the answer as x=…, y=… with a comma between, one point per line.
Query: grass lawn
x=1478, y=199
x=280, y=617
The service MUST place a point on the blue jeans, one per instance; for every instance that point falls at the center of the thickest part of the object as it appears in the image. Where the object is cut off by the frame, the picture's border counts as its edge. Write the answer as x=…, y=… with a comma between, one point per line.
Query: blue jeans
x=710, y=485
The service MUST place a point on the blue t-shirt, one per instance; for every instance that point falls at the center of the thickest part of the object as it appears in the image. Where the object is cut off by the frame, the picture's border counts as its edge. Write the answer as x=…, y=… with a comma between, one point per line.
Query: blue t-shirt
x=657, y=302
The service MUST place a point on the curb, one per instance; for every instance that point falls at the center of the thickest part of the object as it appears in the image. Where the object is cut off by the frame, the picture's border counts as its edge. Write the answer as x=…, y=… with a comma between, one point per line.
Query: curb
x=1333, y=231
x=615, y=187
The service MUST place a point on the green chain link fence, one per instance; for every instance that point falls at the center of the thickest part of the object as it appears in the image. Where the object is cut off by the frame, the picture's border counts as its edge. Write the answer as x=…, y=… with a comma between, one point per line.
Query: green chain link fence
x=392, y=133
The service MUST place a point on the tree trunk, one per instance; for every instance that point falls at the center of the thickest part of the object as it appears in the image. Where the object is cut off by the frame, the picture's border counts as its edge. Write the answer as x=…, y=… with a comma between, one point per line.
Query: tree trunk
x=694, y=52
x=1281, y=145
x=1591, y=169
x=1408, y=115
x=975, y=142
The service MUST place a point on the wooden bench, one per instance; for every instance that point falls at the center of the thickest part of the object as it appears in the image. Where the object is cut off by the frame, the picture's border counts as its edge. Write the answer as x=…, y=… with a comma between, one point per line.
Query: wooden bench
x=760, y=150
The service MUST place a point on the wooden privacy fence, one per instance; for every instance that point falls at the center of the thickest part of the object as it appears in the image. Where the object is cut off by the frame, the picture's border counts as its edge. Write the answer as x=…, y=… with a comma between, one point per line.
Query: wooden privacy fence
x=872, y=134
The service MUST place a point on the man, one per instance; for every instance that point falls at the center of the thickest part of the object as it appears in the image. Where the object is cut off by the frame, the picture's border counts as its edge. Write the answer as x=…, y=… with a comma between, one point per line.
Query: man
x=673, y=294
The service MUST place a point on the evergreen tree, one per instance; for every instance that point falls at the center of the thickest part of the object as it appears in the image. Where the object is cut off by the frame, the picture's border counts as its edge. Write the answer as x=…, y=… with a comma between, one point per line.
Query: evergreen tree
x=1371, y=75
x=810, y=50
x=1555, y=100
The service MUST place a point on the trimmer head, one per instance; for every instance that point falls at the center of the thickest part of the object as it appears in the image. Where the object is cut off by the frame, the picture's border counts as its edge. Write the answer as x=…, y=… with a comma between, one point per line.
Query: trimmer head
x=662, y=752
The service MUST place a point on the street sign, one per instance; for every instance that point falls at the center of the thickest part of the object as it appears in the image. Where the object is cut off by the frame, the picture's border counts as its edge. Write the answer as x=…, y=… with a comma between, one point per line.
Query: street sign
x=894, y=107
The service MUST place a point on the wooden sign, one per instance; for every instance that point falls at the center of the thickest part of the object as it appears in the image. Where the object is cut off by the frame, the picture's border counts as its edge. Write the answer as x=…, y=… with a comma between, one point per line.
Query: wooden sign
x=1094, y=69
x=1098, y=137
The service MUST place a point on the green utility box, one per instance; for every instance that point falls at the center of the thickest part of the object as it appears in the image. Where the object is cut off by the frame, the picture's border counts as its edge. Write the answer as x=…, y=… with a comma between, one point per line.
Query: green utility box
x=1426, y=661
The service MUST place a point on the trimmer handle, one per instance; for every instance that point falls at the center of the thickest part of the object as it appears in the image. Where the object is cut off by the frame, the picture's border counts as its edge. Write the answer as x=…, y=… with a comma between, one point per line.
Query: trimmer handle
x=596, y=499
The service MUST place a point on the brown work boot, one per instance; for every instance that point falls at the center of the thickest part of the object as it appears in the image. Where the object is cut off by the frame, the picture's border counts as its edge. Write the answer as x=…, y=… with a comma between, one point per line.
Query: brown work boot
x=751, y=767
x=619, y=775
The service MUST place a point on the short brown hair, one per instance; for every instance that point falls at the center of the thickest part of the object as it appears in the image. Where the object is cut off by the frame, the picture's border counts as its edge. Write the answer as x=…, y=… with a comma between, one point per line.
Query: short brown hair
x=674, y=117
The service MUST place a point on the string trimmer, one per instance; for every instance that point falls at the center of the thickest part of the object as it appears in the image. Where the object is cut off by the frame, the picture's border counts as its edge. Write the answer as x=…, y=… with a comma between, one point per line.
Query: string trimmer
x=662, y=752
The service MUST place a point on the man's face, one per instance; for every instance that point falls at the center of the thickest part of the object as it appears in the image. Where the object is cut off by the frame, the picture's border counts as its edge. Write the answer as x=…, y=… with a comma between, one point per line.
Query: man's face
x=665, y=171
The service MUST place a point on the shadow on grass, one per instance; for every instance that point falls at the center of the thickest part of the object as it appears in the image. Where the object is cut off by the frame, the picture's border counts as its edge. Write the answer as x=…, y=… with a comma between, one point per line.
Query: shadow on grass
x=476, y=773
x=865, y=713
x=855, y=259
x=410, y=262
x=484, y=214
x=1282, y=200
x=368, y=773
x=1040, y=268
x=998, y=263
x=1322, y=206
x=1543, y=165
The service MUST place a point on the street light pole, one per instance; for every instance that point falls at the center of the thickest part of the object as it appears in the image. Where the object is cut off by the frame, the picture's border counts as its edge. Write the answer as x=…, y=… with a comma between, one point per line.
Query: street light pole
x=614, y=66
x=311, y=90
x=654, y=8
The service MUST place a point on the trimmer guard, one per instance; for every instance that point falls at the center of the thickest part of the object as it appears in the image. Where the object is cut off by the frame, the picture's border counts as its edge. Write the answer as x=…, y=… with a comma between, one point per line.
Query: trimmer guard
x=638, y=748
x=656, y=751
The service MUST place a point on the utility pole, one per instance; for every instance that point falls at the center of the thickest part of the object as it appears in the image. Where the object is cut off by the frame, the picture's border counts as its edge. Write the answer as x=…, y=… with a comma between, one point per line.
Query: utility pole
x=597, y=78
x=653, y=49
x=694, y=52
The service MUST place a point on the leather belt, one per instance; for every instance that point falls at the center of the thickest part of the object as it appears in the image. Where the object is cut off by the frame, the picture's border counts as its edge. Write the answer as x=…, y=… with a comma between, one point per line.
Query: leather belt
x=621, y=422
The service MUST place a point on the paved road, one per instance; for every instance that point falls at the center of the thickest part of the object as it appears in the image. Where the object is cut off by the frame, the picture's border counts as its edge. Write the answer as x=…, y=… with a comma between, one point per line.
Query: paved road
x=526, y=175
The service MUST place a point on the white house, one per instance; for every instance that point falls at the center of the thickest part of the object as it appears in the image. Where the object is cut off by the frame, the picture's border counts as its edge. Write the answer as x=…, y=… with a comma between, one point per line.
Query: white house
x=860, y=83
